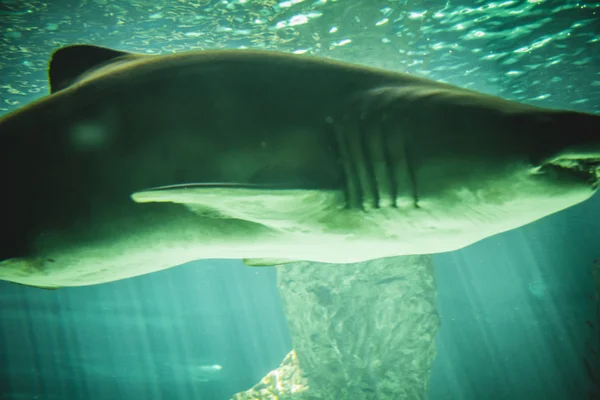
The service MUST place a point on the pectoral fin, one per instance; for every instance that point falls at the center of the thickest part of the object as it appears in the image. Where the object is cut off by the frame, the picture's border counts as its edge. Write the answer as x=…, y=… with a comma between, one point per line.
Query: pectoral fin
x=272, y=206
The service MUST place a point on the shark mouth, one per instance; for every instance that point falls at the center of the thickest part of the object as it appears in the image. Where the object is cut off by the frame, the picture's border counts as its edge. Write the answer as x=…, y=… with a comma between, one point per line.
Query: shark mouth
x=585, y=170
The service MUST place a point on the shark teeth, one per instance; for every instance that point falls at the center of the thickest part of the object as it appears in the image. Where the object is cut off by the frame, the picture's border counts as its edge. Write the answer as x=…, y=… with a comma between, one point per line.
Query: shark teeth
x=585, y=169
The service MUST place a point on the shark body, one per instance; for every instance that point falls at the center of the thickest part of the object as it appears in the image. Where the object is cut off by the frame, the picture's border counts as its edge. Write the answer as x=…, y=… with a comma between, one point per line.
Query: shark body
x=138, y=163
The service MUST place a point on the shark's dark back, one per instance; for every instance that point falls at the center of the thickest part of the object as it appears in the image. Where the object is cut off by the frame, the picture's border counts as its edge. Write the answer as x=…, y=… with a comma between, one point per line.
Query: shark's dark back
x=73, y=159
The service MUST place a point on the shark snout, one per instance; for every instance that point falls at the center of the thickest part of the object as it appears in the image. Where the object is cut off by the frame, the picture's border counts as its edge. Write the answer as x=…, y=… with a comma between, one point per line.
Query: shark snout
x=582, y=170
x=571, y=145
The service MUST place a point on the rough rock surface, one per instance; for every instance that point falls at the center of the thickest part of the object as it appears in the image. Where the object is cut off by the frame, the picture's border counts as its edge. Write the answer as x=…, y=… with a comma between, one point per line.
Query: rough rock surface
x=360, y=331
x=285, y=382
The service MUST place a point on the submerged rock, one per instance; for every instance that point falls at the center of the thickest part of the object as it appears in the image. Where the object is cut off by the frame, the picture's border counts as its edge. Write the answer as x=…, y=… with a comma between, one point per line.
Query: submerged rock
x=360, y=331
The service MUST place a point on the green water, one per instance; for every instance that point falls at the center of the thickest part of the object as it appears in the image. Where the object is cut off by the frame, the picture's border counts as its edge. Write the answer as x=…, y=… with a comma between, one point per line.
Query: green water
x=513, y=308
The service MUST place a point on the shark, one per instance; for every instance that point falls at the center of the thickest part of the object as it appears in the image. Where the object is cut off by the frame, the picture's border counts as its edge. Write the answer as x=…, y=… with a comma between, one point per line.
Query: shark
x=136, y=163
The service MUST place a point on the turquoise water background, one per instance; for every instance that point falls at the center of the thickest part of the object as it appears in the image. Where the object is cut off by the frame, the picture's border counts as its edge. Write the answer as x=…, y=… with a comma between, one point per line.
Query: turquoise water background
x=513, y=307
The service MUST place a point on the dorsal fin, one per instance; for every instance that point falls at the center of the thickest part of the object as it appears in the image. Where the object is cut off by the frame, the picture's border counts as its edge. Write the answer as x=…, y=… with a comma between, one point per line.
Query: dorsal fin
x=69, y=63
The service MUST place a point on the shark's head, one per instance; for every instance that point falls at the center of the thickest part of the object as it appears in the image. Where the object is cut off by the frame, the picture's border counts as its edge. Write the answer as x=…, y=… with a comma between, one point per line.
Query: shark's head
x=480, y=165
x=424, y=170
x=571, y=151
